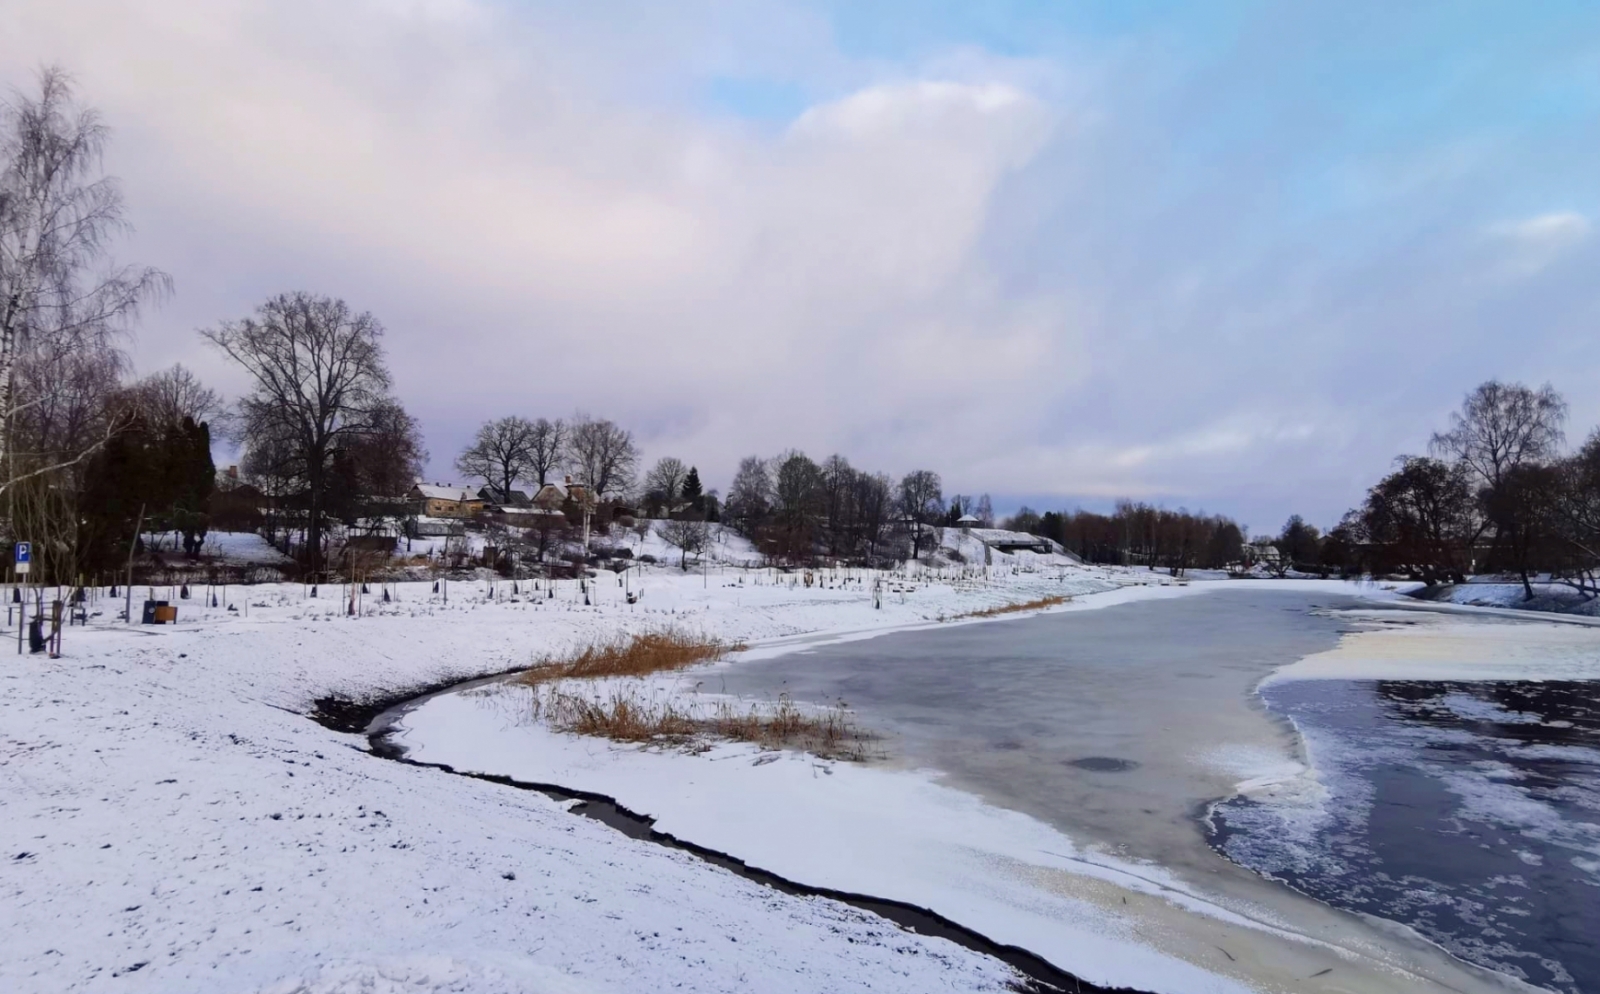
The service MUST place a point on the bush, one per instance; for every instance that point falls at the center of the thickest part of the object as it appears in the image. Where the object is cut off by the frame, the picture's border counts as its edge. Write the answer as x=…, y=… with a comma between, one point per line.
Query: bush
x=647, y=558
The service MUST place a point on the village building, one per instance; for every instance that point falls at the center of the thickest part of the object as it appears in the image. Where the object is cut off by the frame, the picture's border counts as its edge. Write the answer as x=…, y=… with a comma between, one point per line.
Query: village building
x=444, y=500
x=498, y=499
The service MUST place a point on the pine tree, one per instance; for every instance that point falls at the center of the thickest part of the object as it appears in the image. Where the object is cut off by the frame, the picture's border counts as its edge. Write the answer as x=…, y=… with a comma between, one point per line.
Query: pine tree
x=692, y=492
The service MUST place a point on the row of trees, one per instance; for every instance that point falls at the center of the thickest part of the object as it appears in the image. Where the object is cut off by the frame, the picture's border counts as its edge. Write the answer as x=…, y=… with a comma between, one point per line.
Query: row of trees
x=513, y=450
x=1498, y=492
x=795, y=508
x=1140, y=534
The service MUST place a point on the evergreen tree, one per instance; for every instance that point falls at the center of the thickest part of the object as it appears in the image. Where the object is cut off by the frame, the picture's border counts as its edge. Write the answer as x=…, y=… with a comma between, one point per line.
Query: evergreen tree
x=692, y=492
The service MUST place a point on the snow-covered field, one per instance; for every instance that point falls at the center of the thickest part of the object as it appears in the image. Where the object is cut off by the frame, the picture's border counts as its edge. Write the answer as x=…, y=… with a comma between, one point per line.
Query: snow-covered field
x=171, y=820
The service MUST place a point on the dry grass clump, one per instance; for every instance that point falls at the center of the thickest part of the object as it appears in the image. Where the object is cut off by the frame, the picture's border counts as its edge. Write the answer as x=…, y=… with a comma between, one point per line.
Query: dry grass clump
x=626, y=714
x=632, y=711
x=828, y=733
x=1041, y=603
x=636, y=656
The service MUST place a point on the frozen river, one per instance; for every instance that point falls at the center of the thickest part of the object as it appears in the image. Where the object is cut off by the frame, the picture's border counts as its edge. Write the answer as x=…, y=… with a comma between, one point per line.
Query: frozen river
x=1119, y=725
x=1470, y=811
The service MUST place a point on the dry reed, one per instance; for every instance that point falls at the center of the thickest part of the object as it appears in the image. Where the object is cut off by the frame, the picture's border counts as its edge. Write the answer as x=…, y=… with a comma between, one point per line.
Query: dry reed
x=626, y=714
x=1038, y=605
x=635, y=656
x=631, y=712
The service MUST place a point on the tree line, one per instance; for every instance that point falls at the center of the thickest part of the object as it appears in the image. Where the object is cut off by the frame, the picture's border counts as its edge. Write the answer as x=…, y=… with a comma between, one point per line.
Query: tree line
x=1498, y=492
x=1139, y=534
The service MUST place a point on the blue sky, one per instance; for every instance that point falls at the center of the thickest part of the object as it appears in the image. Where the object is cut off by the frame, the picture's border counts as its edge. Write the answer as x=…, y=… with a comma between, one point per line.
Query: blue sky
x=1225, y=255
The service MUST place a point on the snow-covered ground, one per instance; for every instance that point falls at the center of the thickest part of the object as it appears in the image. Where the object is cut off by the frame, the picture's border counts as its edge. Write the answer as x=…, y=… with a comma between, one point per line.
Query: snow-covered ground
x=171, y=820
x=1499, y=592
x=242, y=548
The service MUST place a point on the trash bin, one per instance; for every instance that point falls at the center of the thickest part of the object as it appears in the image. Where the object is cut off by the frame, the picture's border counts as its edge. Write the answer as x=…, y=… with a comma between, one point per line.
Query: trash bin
x=36, y=641
x=155, y=611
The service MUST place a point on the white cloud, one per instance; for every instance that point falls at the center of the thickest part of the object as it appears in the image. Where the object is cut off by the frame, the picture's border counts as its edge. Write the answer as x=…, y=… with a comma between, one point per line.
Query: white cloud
x=1536, y=242
x=1041, y=274
x=724, y=291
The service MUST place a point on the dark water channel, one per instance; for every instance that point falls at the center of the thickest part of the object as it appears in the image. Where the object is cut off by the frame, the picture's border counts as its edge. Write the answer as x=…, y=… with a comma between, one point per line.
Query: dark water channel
x=1469, y=811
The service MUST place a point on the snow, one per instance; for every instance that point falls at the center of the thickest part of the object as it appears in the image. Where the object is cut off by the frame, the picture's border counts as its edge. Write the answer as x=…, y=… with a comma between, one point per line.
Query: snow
x=1428, y=645
x=905, y=835
x=1495, y=592
x=171, y=820
x=842, y=826
x=242, y=549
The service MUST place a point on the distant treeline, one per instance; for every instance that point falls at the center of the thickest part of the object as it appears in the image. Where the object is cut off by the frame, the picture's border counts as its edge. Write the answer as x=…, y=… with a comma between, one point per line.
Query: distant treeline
x=1497, y=493
x=1137, y=534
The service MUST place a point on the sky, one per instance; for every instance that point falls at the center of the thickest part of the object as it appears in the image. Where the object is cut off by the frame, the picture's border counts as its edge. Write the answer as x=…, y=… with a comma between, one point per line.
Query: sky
x=1226, y=256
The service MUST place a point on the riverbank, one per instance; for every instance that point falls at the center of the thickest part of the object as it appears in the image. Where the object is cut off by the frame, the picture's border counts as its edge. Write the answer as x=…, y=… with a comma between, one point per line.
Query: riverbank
x=1492, y=592
x=173, y=821
x=908, y=834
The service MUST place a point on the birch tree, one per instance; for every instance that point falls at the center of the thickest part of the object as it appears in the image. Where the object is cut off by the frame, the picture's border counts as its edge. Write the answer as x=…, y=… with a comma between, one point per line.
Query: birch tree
x=60, y=296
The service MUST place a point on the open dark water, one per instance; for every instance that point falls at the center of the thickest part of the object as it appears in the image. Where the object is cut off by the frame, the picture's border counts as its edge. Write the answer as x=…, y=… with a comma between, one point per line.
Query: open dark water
x=1468, y=811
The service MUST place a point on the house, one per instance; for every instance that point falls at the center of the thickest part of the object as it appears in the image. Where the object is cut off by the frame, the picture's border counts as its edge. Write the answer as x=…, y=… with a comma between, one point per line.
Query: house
x=967, y=522
x=1004, y=540
x=443, y=500
x=503, y=498
x=550, y=497
x=556, y=496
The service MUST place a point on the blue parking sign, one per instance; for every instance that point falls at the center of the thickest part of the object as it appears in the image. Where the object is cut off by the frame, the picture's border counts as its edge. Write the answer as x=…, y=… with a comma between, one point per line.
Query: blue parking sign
x=24, y=552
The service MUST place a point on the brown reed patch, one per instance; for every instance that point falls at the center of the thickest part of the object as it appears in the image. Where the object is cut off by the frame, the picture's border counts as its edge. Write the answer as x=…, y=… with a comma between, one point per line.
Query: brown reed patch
x=1038, y=605
x=626, y=714
x=630, y=655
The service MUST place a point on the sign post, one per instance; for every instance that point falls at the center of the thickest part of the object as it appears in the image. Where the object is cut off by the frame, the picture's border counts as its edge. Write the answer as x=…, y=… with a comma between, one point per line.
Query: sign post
x=24, y=563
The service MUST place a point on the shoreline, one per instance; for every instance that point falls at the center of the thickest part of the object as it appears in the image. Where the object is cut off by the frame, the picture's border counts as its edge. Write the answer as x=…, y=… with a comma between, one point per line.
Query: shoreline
x=1153, y=888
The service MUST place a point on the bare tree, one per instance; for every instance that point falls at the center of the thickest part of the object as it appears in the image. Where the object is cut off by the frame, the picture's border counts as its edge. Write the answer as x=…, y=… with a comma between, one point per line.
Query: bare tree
x=874, y=500
x=984, y=512
x=750, y=495
x=1502, y=426
x=664, y=483
x=500, y=454
x=545, y=448
x=173, y=394
x=319, y=378
x=921, y=502
x=799, y=500
x=387, y=454
x=58, y=298
x=687, y=536
x=603, y=455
